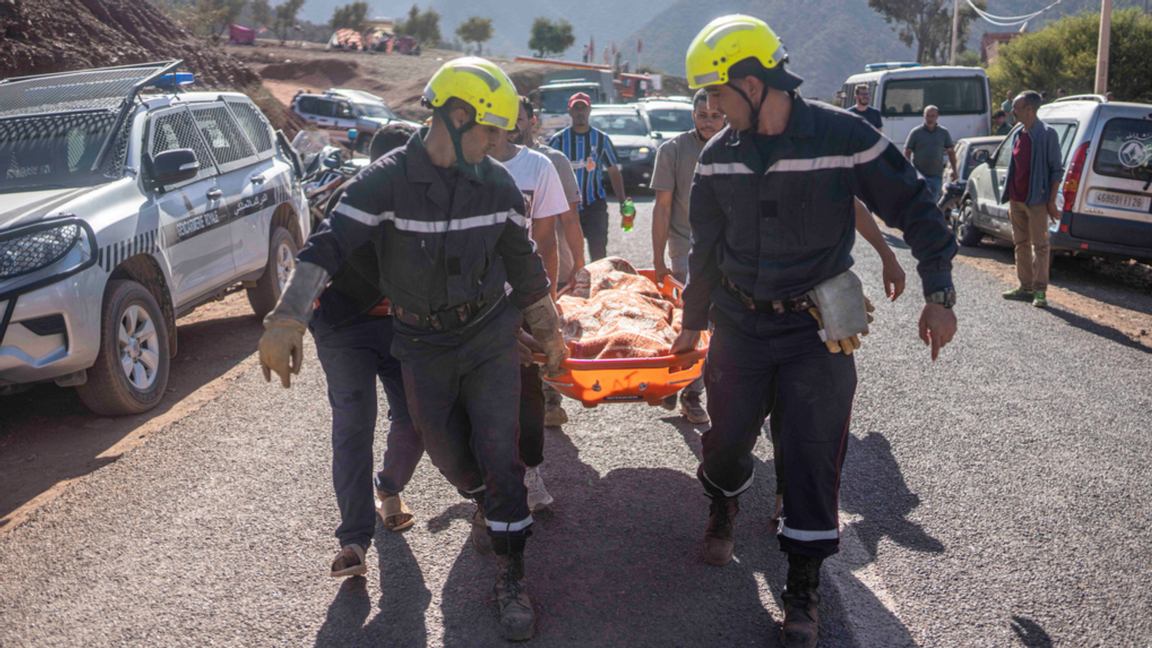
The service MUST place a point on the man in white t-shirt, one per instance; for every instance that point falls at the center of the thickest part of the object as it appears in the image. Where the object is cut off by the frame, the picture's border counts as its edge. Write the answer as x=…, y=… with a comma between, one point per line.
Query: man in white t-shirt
x=543, y=202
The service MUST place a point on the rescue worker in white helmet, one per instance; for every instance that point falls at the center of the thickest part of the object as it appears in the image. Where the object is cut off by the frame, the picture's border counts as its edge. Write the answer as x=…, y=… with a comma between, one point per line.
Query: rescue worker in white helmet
x=772, y=213
x=448, y=227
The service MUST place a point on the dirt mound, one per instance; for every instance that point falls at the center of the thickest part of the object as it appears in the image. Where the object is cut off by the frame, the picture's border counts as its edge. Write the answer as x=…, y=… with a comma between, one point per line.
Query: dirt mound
x=318, y=72
x=42, y=36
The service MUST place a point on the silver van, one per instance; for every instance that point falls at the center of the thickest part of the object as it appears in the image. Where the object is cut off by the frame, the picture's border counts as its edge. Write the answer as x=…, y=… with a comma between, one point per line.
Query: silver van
x=1104, y=196
x=123, y=209
x=346, y=114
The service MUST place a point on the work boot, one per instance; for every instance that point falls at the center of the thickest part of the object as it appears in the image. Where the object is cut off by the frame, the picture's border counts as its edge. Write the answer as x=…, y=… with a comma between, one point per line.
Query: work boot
x=517, y=619
x=554, y=415
x=691, y=408
x=718, y=541
x=800, y=601
x=538, y=496
x=481, y=541
x=669, y=402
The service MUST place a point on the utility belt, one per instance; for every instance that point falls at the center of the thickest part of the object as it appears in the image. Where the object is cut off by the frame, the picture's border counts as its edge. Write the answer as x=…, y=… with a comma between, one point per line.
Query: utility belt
x=383, y=309
x=777, y=306
x=449, y=319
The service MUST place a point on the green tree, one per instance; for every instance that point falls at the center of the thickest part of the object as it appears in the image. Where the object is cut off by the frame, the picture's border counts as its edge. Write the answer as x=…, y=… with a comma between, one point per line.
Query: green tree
x=261, y=13
x=927, y=25
x=550, y=37
x=284, y=24
x=475, y=30
x=350, y=16
x=1063, y=55
x=423, y=26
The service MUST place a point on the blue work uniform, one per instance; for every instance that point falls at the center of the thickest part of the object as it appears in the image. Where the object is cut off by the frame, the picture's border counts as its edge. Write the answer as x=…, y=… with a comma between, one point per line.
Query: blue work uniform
x=771, y=218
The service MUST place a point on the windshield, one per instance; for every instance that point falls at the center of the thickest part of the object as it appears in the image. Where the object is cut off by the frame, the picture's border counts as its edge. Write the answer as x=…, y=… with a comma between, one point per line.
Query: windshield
x=376, y=111
x=556, y=101
x=619, y=124
x=52, y=151
x=1126, y=149
x=671, y=121
x=952, y=95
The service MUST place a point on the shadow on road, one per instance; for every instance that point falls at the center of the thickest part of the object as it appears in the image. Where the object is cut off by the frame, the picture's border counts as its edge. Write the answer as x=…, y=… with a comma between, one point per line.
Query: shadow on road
x=48, y=436
x=399, y=619
x=1096, y=328
x=1030, y=633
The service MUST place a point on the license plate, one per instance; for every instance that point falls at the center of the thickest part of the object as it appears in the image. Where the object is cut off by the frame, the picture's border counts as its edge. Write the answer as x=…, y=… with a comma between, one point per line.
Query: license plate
x=1120, y=201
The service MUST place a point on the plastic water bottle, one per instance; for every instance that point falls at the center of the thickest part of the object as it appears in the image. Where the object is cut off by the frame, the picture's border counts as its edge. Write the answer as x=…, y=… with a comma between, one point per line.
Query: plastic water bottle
x=627, y=215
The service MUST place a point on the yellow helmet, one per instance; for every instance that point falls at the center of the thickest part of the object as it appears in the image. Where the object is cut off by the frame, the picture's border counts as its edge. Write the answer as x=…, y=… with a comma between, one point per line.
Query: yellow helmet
x=481, y=84
x=729, y=40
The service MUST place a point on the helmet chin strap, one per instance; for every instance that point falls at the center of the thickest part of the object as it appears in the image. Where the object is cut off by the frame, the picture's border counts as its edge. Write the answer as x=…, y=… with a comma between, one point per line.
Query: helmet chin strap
x=457, y=135
x=755, y=109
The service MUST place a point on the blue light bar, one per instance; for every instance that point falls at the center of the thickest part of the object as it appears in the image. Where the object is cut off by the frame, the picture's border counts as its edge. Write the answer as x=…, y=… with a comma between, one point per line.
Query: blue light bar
x=174, y=79
x=892, y=65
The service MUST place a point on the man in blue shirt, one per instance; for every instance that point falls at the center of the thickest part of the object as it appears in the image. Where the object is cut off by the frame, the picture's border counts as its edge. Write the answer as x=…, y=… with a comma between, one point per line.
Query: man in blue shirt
x=870, y=114
x=591, y=153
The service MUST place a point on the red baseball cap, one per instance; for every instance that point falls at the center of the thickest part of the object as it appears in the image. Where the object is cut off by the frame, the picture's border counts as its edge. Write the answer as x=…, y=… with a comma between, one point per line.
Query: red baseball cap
x=580, y=97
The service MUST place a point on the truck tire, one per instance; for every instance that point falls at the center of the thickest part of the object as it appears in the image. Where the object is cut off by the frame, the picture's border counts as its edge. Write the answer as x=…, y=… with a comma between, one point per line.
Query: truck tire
x=131, y=370
x=964, y=228
x=282, y=250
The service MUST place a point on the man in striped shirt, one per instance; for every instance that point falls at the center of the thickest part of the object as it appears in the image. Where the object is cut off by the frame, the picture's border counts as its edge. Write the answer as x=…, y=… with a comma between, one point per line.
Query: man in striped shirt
x=592, y=154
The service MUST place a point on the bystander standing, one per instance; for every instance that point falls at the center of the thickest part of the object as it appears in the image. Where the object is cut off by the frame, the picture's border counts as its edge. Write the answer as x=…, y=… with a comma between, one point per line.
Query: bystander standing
x=926, y=146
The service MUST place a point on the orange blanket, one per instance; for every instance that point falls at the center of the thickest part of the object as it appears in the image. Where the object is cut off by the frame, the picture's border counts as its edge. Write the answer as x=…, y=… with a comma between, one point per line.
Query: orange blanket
x=612, y=312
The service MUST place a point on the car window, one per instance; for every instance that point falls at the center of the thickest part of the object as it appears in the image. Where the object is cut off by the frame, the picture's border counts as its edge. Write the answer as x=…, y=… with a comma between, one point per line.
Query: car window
x=1004, y=154
x=1125, y=149
x=376, y=110
x=228, y=144
x=175, y=130
x=344, y=110
x=306, y=105
x=619, y=124
x=970, y=155
x=1065, y=133
x=671, y=120
x=952, y=96
x=253, y=123
x=46, y=151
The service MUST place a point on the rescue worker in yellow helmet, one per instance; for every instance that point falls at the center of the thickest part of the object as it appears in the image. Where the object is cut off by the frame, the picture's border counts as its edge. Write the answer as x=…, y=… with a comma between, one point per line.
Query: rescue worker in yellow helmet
x=772, y=215
x=448, y=227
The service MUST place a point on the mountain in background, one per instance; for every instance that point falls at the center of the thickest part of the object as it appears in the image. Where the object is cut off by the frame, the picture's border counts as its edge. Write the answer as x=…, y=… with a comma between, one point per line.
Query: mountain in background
x=827, y=40
x=606, y=20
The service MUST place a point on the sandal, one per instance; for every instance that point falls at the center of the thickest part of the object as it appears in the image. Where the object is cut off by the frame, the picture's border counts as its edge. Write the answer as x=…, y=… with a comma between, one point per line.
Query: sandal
x=343, y=566
x=393, y=511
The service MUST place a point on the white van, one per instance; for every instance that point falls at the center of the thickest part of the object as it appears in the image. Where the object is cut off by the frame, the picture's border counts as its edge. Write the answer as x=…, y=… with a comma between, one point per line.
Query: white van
x=900, y=91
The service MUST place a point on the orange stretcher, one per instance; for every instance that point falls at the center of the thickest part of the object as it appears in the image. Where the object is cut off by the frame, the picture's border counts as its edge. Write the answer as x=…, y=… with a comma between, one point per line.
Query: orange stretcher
x=627, y=380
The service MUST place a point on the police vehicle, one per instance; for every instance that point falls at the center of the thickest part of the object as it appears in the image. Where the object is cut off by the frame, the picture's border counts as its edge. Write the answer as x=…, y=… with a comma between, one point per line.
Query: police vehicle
x=123, y=209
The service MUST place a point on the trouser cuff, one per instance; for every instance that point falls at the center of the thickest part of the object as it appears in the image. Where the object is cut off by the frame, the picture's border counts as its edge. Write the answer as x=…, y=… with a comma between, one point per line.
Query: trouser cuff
x=714, y=490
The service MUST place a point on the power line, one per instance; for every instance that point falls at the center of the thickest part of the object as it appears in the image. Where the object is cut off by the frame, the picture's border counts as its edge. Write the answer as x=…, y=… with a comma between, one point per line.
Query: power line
x=1008, y=21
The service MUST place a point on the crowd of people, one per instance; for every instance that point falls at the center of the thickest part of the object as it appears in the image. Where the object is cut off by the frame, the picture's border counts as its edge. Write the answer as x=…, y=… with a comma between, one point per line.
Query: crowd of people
x=437, y=268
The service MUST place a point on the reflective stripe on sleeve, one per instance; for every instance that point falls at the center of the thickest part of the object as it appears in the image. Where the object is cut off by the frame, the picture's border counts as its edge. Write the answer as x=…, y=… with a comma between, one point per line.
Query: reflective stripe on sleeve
x=808, y=536
x=723, y=168
x=428, y=227
x=832, y=161
x=743, y=487
x=509, y=527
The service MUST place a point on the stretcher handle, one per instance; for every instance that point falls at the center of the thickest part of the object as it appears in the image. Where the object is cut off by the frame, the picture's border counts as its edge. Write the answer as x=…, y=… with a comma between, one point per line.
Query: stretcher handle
x=662, y=362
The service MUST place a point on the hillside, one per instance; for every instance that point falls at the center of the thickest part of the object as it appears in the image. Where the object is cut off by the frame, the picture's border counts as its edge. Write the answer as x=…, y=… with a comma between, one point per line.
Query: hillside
x=42, y=36
x=606, y=20
x=827, y=40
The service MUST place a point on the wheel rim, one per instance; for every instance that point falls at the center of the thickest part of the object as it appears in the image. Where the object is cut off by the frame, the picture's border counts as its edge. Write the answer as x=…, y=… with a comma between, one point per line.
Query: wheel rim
x=963, y=219
x=139, y=347
x=285, y=262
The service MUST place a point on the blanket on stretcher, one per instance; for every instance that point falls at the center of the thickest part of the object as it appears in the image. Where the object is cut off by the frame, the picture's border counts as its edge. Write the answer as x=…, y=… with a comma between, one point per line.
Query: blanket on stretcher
x=613, y=312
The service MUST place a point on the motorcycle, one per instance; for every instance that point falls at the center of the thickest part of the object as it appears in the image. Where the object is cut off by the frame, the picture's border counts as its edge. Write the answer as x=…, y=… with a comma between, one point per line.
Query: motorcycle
x=324, y=169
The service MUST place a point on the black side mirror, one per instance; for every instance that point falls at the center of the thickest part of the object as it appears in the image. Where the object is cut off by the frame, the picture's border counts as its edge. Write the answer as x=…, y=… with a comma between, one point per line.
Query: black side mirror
x=980, y=156
x=175, y=166
x=658, y=135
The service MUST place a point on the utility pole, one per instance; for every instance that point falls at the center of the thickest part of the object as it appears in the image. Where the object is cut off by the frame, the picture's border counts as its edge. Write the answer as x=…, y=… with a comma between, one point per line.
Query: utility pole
x=1102, y=51
x=955, y=29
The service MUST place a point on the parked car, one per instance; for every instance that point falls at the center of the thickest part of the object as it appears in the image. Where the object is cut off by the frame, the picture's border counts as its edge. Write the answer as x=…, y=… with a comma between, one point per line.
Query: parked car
x=123, y=211
x=668, y=116
x=627, y=126
x=341, y=111
x=966, y=153
x=1104, y=198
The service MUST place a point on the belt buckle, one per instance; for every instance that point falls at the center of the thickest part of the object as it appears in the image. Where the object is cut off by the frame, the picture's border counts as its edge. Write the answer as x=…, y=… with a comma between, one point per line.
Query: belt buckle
x=779, y=307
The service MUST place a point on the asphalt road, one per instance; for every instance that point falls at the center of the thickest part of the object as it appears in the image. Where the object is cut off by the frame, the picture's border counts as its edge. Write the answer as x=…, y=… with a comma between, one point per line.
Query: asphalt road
x=996, y=497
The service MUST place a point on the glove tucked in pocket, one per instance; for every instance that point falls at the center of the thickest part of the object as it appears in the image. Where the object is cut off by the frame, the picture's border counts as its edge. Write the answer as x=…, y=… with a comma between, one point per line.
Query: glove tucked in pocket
x=842, y=311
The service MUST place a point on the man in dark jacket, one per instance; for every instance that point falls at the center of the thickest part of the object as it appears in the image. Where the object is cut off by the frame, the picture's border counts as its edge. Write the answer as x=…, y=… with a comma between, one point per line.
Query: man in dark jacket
x=448, y=227
x=772, y=214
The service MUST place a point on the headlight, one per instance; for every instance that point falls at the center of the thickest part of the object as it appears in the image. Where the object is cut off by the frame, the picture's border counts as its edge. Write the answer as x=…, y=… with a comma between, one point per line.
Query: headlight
x=30, y=252
x=641, y=153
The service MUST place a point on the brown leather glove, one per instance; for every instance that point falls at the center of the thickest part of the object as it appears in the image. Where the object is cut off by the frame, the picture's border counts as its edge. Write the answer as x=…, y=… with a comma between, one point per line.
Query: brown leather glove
x=282, y=349
x=847, y=346
x=545, y=324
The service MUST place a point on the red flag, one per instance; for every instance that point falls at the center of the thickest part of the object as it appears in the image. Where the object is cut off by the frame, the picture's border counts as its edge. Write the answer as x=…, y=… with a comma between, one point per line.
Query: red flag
x=639, y=45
